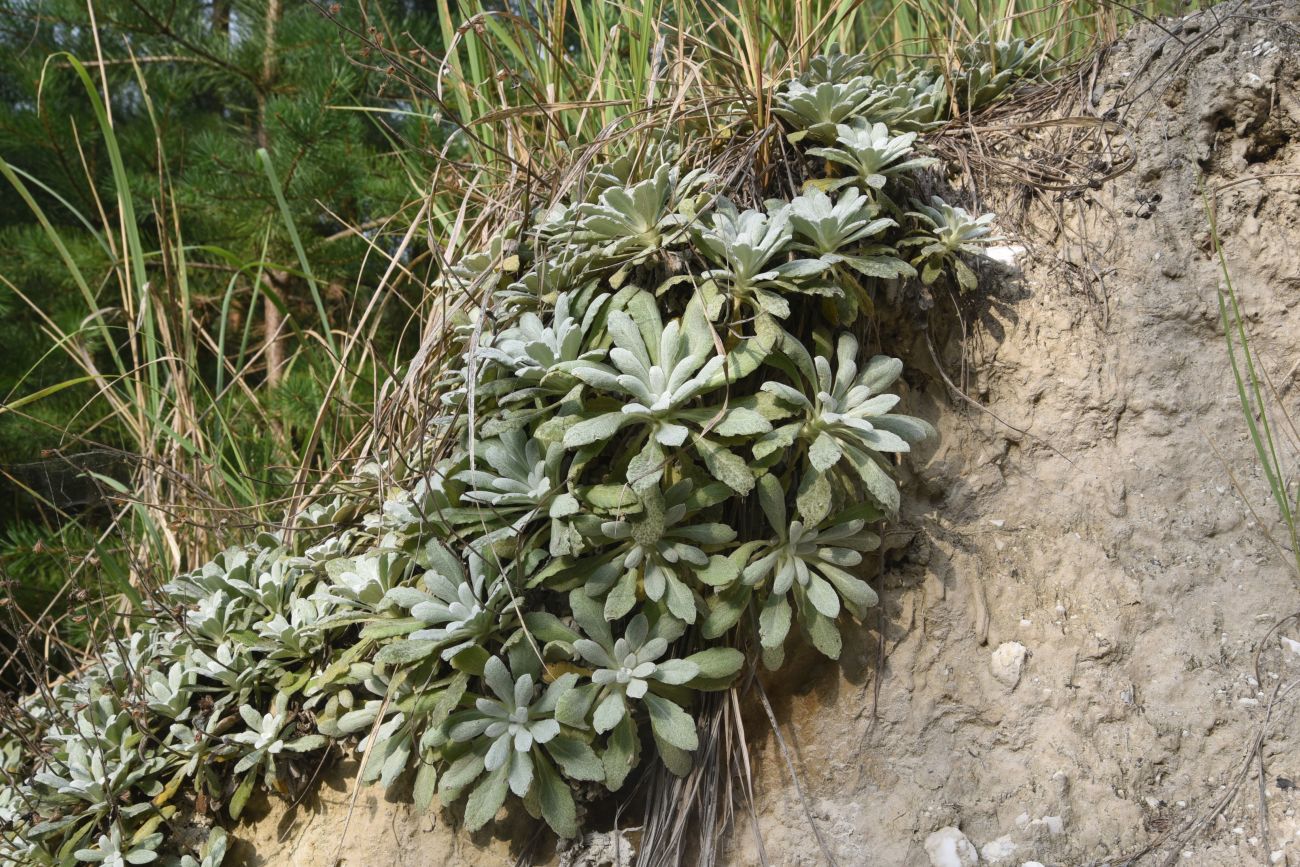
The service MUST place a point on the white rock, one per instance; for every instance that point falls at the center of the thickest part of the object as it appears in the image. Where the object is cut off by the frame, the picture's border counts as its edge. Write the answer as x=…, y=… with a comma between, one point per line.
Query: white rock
x=1005, y=255
x=948, y=847
x=999, y=850
x=1055, y=825
x=1007, y=661
x=1032, y=864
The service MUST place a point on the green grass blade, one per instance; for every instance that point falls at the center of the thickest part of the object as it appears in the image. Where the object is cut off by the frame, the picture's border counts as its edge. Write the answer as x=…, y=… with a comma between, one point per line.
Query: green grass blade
x=327, y=333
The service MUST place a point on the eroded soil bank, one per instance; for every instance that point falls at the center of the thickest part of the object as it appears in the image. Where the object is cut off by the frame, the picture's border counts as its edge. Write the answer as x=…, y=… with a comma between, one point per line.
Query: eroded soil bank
x=1078, y=590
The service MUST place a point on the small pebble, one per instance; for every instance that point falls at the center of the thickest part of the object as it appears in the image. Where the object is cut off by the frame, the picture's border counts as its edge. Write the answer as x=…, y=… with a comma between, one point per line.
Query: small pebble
x=1007, y=662
x=948, y=847
x=999, y=850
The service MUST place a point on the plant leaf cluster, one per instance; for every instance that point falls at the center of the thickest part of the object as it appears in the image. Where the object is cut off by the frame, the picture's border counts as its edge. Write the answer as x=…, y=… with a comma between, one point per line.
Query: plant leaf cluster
x=660, y=453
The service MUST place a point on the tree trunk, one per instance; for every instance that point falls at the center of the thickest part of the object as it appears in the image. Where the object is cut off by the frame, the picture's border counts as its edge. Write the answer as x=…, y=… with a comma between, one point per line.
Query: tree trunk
x=272, y=337
x=221, y=17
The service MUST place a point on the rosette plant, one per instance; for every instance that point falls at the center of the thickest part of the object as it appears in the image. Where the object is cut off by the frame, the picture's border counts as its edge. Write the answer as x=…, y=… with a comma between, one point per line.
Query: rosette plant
x=872, y=155
x=989, y=67
x=522, y=480
x=268, y=734
x=844, y=423
x=511, y=741
x=629, y=673
x=745, y=249
x=834, y=66
x=111, y=851
x=809, y=565
x=912, y=101
x=457, y=610
x=654, y=377
x=816, y=109
x=846, y=233
x=949, y=231
x=661, y=553
x=538, y=357
x=631, y=224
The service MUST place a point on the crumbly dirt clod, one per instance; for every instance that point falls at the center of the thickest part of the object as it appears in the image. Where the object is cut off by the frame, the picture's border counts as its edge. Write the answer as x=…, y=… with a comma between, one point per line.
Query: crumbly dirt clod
x=1102, y=527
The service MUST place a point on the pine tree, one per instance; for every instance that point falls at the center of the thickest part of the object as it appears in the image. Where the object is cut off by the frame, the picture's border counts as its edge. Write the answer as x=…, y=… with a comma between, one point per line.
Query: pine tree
x=196, y=88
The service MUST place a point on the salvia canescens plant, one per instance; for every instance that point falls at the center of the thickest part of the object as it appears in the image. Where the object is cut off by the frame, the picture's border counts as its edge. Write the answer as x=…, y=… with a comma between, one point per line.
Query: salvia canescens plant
x=662, y=448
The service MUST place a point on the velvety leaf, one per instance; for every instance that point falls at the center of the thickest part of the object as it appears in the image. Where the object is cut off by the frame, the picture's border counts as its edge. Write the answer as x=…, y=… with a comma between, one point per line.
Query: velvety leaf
x=611, y=497
x=786, y=393
x=646, y=467
x=720, y=572
x=771, y=498
x=725, y=610
x=564, y=505
x=394, y=761
x=857, y=594
x=717, y=663
x=239, y=799
x=675, y=759
x=545, y=626
x=406, y=597
x=707, y=533
x=620, y=753
x=486, y=799
x=776, y=440
x=814, y=498
x=877, y=482
x=470, y=660
x=622, y=598
x=740, y=421
x=576, y=759
x=706, y=495
x=594, y=430
x=556, y=801
x=405, y=652
x=800, y=268
x=681, y=601
x=425, y=786
x=741, y=362
x=357, y=720
x=725, y=466
x=824, y=452
x=823, y=597
x=774, y=621
x=306, y=743
x=823, y=634
x=912, y=430
x=590, y=615
x=459, y=775
x=610, y=710
x=575, y=705
x=670, y=723
x=676, y=671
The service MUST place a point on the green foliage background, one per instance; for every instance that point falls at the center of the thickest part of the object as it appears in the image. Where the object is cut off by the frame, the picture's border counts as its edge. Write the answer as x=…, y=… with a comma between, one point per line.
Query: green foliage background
x=195, y=89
